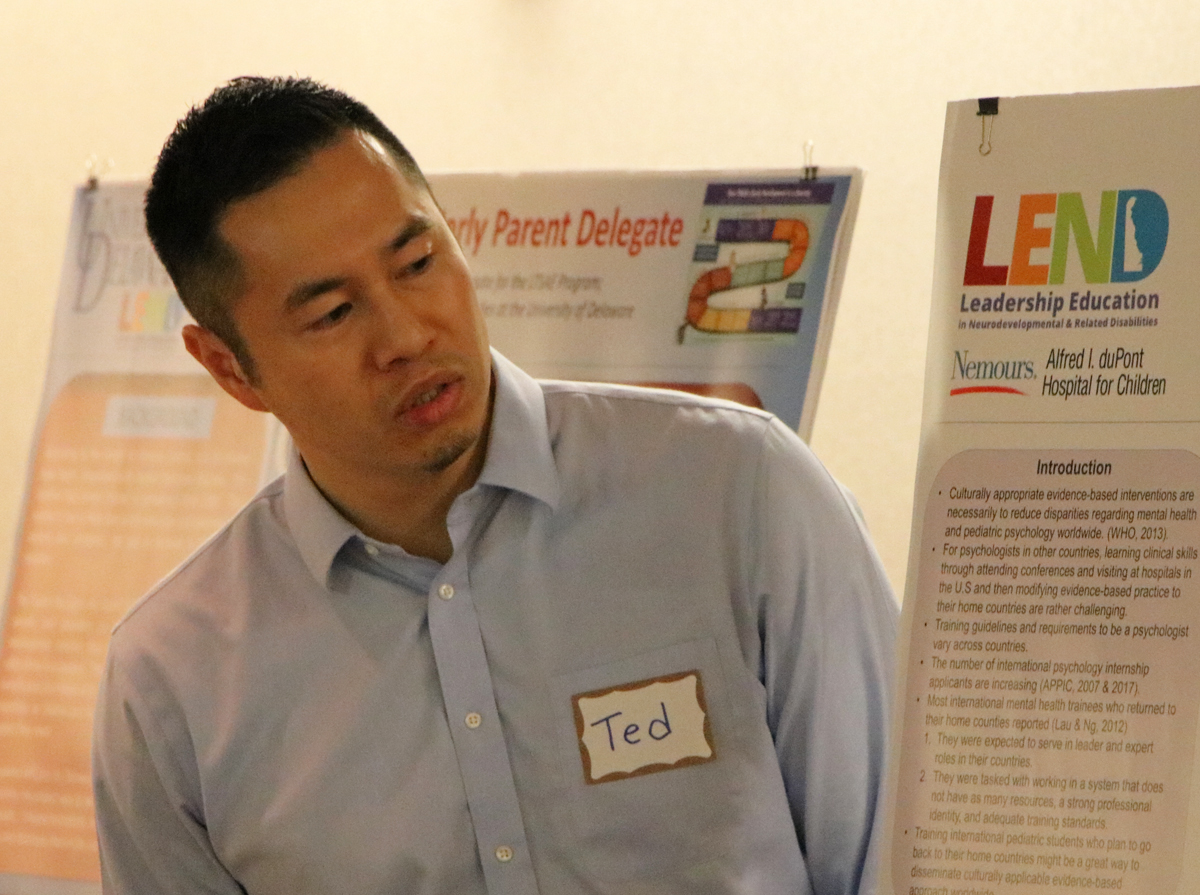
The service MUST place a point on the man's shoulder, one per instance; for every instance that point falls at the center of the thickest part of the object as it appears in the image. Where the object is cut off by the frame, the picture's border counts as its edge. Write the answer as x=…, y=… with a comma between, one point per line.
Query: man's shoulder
x=676, y=434
x=615, y=417
x=626, y=405
x=219, y=569
x=669, y=439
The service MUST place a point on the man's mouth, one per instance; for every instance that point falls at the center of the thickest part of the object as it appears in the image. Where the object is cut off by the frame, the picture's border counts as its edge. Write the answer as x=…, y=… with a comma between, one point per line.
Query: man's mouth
x=433, y=404
x=427, y=396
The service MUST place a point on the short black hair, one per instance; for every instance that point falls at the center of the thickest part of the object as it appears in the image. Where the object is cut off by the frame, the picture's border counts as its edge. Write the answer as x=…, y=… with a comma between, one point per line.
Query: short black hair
x=247, y=136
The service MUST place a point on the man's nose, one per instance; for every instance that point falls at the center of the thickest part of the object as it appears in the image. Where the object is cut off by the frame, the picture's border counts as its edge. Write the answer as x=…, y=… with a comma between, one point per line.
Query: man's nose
x=400, y=331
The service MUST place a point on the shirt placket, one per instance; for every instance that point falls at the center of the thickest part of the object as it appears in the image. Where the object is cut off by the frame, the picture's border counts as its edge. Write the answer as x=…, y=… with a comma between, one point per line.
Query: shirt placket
x=469, y=698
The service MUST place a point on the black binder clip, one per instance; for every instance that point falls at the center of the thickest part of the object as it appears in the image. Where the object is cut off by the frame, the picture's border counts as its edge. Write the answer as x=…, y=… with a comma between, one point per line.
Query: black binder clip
x=989, y=108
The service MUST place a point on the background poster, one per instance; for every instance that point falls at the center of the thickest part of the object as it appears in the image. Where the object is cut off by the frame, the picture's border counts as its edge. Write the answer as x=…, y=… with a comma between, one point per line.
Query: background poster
x=719, y=282
x=139, y=457
x=1049, y=683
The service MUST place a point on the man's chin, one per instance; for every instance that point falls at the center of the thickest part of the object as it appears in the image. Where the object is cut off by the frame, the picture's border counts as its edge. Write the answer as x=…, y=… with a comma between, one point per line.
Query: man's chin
x=446, y=455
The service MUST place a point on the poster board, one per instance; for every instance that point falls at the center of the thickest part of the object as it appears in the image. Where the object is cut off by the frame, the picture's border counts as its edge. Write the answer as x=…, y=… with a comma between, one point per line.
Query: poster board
x=138, y=456
x=722, y=283
x=1045, y=736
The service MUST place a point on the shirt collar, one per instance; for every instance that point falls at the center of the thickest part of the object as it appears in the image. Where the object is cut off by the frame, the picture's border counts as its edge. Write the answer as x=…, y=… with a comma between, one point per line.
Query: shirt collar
x=519, y=458
x=519, y=455
x=317, y=528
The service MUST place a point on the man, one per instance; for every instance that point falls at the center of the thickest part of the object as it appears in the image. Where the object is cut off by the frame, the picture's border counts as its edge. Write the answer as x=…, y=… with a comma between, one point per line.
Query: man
x=487, y=634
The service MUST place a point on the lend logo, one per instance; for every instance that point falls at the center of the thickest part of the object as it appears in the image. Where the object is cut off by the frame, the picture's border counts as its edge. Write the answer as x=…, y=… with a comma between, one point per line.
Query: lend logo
x=993, y=371
x=1130, y=238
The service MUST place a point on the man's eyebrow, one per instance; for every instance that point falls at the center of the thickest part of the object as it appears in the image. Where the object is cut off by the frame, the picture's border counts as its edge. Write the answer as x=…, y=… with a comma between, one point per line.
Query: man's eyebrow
x=306, y=292
x=418, y=225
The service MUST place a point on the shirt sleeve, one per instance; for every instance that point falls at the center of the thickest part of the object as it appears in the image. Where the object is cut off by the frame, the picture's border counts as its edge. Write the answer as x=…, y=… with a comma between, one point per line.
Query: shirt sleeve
x=151, y=835
x=828, y=620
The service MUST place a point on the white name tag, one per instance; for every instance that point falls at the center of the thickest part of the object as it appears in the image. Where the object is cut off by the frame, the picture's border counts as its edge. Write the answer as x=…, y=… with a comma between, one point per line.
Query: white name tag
x=643, y=727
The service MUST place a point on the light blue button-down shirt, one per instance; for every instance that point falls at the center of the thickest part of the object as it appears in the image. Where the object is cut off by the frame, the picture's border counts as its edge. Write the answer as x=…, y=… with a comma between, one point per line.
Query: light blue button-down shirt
x=300, y=709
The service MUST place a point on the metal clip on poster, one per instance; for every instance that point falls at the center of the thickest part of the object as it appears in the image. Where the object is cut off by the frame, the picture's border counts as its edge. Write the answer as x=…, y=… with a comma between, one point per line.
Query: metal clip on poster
x=95, y=169
x=989, y=108
x=810, y=170
x=94, y=246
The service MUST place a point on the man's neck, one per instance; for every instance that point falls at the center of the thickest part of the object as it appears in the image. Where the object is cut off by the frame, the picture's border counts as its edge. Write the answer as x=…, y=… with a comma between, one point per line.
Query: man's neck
x=407, y=508
x=408, y=511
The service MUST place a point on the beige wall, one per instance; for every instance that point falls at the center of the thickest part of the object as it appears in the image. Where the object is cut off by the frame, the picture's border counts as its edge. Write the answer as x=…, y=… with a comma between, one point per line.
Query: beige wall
x=546, y=84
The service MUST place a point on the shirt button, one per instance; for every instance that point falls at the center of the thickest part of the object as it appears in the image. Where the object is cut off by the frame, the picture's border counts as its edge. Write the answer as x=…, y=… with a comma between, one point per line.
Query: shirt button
x=446, y=591
x=474, y=719
x=371, y=549
x=504, y=854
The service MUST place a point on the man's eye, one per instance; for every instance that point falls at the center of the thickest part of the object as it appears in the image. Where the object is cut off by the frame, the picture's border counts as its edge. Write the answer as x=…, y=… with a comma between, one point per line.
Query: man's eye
x=331, y=318
x=419, y=266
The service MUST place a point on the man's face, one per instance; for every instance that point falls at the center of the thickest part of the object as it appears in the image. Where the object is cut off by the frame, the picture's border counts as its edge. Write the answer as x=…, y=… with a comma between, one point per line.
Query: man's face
x=359, y=313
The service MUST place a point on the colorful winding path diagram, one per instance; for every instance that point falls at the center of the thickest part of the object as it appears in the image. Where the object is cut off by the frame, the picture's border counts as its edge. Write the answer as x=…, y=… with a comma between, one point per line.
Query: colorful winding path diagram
x=711, y=317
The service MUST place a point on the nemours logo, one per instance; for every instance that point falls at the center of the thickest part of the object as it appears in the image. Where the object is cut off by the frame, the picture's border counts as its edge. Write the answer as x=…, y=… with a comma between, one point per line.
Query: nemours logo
x=989, y=376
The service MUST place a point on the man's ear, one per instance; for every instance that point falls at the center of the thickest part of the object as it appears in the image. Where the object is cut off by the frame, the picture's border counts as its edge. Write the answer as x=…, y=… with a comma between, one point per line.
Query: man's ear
x=214, y=355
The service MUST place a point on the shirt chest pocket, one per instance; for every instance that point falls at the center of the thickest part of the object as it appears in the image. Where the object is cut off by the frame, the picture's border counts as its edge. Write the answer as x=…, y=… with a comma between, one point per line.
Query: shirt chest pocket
x=648, y=761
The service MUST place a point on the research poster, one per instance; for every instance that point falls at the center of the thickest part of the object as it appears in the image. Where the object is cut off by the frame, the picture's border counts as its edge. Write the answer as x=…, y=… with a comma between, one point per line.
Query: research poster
x=139, y=457
x=720, y=283
x=1049, y=687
